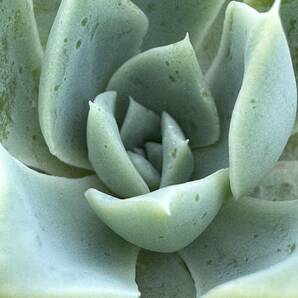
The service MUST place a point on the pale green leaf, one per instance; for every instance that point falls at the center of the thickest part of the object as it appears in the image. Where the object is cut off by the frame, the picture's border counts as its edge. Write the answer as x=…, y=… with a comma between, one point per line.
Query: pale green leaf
x=225, y=79
x=178, y=164
x=150, y=175
x=163, y=276
x=280, y=184
x=170, y=20
x=167, y=219
x=45, y=12
x=140, y=125
x=169, y=79
x=106, y=151
x=20, y=59
x=207, y=49
x=265, y=110
x=52, y=244
x=247, y=236
x=89, y=40
x=252, y=49
x=288, y=13
x=154, y=154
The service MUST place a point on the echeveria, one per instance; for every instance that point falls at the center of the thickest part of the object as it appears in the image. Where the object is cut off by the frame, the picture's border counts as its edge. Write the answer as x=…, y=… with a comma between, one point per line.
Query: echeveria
x=168, y=118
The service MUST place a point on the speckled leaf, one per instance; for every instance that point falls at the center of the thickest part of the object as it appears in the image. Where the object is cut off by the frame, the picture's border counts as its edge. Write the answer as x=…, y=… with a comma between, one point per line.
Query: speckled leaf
x=106, y=151
x=170, y=20
x=163, y=276
x=52, y=244
x=236, y=73
x=265, y=110
x=280, y=184
x=167, y=219
x=288, y=13
x=169, y=79
x=275, y=282
x=247, y=236
x=45, y=12
x=225, y=78
x=20, y=59
x=89, y=40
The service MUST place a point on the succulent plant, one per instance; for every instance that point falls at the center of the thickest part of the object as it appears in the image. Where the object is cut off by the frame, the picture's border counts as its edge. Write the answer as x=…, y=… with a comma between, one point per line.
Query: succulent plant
x=140, y=147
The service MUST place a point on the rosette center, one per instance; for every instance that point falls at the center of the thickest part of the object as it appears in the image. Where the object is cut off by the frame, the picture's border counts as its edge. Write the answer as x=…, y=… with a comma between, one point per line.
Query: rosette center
x=144, y=153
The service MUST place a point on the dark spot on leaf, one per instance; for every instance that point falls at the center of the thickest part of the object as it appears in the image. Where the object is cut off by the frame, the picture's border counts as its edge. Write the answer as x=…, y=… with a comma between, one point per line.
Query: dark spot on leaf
x=84, y=21
x=78, y=44
x=174, y=152
x=172, y=78
x=291, y=247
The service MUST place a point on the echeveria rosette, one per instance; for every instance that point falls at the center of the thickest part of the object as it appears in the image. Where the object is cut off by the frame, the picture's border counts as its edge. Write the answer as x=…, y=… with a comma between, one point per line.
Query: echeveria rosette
x=230, y=125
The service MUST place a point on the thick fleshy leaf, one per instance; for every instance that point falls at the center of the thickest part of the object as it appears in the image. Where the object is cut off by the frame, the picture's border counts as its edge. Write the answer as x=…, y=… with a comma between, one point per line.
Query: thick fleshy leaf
x=106, y=151
x=225, y=79
x=177, y=159
x=265, y=106
x=163, y=276
x=45, y=12
x=52, y=244
x=20, y=59
x=280, y=184
x=89, y=40
x=154, y=154
x=275, y=282
x=140, y=125
x=170, y=20
x=167, y=219
x=207, y=49
x=150, y=175
x=247, y=236
x=288, y=12
x=265, y=111
x=169, y=79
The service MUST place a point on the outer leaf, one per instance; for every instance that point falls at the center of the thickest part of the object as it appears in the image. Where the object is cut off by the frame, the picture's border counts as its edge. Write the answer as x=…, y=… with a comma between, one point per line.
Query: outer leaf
x=237, y=73
x=20, y=58
x=163, y=276
x=170, y=20
x=167, y=219
x=51, y=243
x=89, y=40
x=106, y=151
x=275, y=282
x=265, y=110
x=280, y=184
x=225, y=78
x=169, y=79
x=45, y=12
x=247, y=236
x=288, y=12
x=207, y=49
